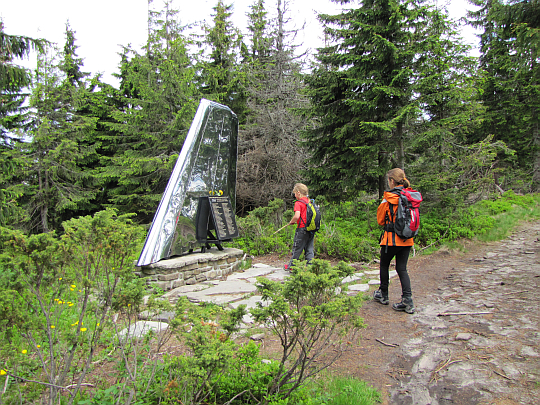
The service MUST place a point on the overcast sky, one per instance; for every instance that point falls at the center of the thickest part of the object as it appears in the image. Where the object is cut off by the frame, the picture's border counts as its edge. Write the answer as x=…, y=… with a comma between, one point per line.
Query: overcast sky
x=101, y=26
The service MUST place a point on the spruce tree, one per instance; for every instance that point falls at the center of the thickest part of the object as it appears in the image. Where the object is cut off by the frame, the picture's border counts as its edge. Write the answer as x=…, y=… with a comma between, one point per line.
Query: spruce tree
x=363, y=94
x=14, y=120
x=511, y=88
x=57, y=183
x=222, y=76
x=157, y=103
x=447, y=87
x=14, y=81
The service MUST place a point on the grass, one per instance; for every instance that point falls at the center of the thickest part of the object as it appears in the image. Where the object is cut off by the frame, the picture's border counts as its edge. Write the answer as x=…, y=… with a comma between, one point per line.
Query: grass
x=508, y=221
x=342, y=391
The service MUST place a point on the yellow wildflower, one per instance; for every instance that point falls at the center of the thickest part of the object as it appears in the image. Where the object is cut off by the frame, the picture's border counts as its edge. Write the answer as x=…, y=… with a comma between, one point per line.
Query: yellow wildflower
x=98, y=324
x=24, y=351
x=60, y=279
x=3, y=372
x=70, y=304
x=52, y=326
x=71, y=289
x=83, y=329
x=73, y=286
x=38, y=346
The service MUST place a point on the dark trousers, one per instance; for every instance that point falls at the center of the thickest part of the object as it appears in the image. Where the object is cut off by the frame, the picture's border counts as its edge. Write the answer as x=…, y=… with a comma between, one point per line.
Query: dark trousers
x=303, y=241
x=402, y=256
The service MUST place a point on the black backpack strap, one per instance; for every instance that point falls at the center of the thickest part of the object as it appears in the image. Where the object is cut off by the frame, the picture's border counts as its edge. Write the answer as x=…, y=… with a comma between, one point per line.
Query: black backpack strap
x=303, y=202
x=390, y=226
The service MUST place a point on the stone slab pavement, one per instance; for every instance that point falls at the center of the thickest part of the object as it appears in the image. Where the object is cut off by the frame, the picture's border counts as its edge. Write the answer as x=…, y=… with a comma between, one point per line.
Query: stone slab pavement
x=240, y=288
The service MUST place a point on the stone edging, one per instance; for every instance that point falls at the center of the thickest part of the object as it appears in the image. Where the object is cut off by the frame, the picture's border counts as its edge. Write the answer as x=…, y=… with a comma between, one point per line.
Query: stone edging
x=191, y=269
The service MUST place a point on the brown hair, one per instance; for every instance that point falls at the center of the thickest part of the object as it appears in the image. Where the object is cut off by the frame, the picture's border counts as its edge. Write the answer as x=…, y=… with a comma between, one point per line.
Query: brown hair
x=301, y=188
x=398, y=176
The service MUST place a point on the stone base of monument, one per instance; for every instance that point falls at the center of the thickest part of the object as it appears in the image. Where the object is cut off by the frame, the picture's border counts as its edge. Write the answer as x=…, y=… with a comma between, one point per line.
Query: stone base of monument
x=192, y=268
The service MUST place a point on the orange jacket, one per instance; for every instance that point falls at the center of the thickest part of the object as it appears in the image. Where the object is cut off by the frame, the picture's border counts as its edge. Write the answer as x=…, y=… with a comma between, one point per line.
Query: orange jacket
x=382, y=211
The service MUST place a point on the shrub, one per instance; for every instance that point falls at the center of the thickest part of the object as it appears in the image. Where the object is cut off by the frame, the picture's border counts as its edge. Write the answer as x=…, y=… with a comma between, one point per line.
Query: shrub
x=312, y=317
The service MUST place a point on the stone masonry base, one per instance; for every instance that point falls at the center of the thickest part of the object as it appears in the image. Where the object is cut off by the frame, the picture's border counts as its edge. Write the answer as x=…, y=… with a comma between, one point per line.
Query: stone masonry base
x=192, y=268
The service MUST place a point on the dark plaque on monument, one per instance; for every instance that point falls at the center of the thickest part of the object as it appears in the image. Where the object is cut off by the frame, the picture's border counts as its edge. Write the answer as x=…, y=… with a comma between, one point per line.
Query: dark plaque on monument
x=223, y=215
x=215, y=215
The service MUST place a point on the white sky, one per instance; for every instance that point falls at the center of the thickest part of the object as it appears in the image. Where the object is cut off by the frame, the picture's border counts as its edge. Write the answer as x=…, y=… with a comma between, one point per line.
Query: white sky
x=101, y=26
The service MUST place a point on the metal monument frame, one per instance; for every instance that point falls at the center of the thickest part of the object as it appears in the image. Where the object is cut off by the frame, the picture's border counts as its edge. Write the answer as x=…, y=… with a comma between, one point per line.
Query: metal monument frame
x=205, y=167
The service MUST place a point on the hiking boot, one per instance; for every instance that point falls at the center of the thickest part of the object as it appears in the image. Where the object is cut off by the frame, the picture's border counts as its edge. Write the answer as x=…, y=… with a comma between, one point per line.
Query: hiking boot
x=380, y=297
x=406, y=305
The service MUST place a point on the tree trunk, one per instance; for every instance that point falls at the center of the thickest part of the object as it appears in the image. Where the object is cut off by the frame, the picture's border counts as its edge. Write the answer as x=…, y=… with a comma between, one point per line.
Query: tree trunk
x=43, y=209
x=382, y=178
x=536, y=168
x=400, y=149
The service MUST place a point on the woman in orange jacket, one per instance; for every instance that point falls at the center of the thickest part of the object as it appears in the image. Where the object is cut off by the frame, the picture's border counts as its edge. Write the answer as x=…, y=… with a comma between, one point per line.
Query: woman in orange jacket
x=394, y=246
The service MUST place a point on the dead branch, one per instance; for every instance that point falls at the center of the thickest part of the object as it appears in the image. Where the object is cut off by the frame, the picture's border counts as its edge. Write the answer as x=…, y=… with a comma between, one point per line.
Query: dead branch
x=463, y=313
x=387, y=344
x=516, y=292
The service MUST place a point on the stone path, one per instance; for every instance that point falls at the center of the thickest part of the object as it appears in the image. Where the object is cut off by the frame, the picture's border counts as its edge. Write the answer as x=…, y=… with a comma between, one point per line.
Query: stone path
x=478, y=337
x=240, y=288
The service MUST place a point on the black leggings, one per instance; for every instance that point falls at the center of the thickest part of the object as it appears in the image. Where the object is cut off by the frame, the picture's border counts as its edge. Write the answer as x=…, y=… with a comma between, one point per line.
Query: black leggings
x=402, y=256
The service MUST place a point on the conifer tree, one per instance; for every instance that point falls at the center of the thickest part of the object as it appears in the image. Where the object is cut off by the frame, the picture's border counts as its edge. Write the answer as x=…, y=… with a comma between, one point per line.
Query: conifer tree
x=448, y=93
x=14, y=80
x=57, y=182
x=511, y=88
x=159, y=98
x=270, y=157
x=363, y=94
x=14, y=90
x=222, y=76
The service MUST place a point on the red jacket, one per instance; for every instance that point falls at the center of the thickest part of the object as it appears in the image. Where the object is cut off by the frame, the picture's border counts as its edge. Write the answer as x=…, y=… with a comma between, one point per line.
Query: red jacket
x=382, y=212
x=298, y=206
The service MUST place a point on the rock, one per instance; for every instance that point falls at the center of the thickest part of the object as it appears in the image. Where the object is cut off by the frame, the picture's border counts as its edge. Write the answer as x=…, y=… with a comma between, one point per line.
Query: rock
x=257, y=336
x=165, y=316
x=141, y=328
x=463, y=336
x=359, y=287
x=354, y=277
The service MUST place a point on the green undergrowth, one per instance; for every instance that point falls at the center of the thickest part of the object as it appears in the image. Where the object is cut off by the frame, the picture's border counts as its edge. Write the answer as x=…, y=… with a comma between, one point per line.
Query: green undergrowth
x=341, y=391
x=349, y=230
x=66, y=302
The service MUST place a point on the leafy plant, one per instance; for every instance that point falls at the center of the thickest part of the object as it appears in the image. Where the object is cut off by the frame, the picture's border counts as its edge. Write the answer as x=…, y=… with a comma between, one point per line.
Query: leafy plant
x=61, y=278
x=312, y=317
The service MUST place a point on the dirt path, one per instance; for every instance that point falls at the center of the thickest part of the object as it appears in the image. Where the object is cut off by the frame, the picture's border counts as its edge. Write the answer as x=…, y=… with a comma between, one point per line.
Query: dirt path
x=487, y=352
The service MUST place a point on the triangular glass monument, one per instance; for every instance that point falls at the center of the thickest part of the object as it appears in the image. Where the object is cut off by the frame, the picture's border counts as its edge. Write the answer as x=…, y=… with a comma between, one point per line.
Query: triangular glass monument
x=205, y=167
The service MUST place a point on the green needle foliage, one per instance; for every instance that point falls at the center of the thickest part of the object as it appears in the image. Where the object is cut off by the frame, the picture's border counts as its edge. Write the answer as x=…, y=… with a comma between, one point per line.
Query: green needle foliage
x=312, y=316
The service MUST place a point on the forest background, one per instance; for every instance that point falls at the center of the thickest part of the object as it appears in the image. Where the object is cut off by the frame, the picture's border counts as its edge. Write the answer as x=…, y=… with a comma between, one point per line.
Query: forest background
x=394, y=86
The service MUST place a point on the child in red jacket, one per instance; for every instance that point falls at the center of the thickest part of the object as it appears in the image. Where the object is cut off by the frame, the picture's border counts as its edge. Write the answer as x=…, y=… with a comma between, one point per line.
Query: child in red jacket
x=303, y=240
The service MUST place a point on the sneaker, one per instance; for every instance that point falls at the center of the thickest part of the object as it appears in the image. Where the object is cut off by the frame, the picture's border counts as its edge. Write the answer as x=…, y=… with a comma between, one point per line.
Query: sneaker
x=405, y=305
x=379, y=296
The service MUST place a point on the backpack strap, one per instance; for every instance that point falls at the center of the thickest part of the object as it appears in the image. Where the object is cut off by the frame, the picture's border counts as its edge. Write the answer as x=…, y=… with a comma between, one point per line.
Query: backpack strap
x=391, y=227
x=303, y=202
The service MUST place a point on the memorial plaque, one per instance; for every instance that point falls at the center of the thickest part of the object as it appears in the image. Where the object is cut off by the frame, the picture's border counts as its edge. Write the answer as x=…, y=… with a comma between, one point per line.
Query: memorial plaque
x=223, y=214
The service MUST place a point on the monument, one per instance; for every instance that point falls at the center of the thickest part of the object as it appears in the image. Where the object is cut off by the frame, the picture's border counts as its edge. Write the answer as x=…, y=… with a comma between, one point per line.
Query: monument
x=198, y=206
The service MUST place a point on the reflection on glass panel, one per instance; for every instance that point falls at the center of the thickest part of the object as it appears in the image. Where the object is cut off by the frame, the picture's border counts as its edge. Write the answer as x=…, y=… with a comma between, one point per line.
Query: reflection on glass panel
x=206, y=166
